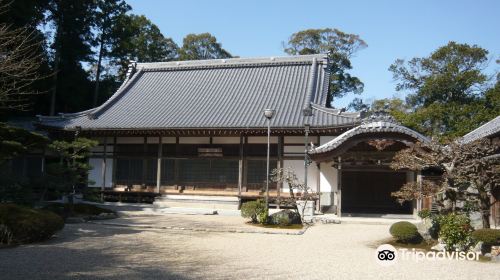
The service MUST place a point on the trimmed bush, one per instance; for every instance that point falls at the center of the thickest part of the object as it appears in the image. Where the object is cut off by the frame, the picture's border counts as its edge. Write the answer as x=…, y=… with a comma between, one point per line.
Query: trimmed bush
x=285, y=218
x=253, y=210
x=488, y=236
x=405, y=232
x=455, y=231
x=424, y=213
x=25, y=225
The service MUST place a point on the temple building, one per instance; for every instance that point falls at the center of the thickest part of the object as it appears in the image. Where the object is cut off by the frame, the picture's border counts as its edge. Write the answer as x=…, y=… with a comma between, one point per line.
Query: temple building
x=196, y=131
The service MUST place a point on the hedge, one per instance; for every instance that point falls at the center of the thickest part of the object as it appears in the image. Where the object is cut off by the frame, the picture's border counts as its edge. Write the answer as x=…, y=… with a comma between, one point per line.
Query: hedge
x=20, y=224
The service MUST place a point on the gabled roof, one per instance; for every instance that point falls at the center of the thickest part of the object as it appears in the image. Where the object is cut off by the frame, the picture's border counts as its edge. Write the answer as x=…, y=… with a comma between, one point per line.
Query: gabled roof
x=488, y=129
x=376, y=126
x=221, y=93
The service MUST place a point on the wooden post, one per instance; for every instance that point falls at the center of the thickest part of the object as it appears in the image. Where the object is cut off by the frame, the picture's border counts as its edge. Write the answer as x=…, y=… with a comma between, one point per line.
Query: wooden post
x=113, y=180
x=240, y=168
x=339, y=187
x=103, y=186
x=158, y=165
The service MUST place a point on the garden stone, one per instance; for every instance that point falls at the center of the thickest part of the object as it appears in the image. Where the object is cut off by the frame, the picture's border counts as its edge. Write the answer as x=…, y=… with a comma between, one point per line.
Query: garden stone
x=424, y=229
x=439, y=247
x=292, y=216
x=476, y=220
x=478, y=247
x=495, y=253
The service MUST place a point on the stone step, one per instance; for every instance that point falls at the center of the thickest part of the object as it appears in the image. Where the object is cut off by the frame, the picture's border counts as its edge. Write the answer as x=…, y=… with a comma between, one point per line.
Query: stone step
x=197, y=201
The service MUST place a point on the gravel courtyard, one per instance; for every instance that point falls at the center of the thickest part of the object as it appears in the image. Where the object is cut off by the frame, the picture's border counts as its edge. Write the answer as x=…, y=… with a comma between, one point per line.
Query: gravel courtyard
x=96, y=251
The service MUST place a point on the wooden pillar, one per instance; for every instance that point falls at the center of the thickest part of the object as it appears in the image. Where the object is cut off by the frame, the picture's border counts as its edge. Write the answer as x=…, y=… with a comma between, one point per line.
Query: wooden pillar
x=240, y=168
x=176, y=162
x=339, y=187
x=113, y=182
x=245, y=163
x=103, y=171
x=419, y=201
x=158, y=164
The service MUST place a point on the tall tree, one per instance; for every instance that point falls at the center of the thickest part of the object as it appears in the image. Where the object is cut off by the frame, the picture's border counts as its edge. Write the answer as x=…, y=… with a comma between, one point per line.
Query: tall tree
x=20, y=61
x=449, y=93
x=202, y=46
x=107, y=17
x=135, y=37
x=340, y=47
x=72, y=22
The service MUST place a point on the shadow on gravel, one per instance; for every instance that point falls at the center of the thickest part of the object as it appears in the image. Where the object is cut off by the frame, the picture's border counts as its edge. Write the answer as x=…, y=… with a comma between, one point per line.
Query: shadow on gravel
x=84, y=251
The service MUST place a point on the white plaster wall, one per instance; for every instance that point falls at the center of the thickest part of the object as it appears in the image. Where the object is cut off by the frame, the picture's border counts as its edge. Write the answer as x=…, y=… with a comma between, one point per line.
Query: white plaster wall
x=293, y=150
x=194, y=140
x=294, y=139
x=226, y=140
x=298, y=167
x=328, y=183
x=262, y=139
x=95, y=174
x=326, y=139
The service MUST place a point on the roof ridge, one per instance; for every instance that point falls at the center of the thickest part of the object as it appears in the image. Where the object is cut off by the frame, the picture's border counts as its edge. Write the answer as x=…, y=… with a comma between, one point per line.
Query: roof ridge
x=232, y=62
x=335, y=112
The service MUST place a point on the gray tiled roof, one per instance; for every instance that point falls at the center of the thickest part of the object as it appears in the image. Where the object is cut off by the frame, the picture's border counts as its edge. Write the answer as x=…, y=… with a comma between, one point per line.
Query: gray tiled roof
x=222, y=93
x=376, y=126
x=486, y=130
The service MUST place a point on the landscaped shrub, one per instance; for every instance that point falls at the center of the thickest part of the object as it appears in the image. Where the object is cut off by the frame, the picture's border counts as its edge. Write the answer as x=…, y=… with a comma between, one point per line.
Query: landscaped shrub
x=285, y=217
x=24, y=225
x=264, y=217
x=455, y=231
x=92, y=194
x=424, y=213
x=80, y=209
x=488, y=236
x=405, y=232
x=253, y=210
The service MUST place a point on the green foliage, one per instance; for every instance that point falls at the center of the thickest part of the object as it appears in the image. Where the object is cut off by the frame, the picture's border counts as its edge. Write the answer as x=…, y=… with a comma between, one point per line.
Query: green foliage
x=79, y=209
x=135, y=37
x=253, y=210
x=340, y=46
x=20, y=225
x=450, y=94
x=405, y=232
x=424, y=213
x=16, y=141
x=488, y=236
x=263, y=217
x=202, y=46
x=72, y=169
x=455, y=231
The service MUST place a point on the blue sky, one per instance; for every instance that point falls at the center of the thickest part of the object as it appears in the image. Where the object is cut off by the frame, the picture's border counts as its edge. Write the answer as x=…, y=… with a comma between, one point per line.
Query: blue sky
x=392, y=29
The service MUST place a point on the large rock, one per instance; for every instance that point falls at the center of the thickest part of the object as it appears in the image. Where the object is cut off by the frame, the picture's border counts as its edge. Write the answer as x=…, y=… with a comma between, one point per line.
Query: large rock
x=285, y=217
x=424, y=228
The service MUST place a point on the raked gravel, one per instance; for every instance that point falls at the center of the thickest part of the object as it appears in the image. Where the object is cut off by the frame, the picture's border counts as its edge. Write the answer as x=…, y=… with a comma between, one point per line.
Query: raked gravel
x=324, y=251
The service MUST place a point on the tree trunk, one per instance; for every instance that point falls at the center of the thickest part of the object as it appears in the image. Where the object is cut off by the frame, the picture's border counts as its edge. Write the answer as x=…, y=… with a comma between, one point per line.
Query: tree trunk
x=98, y=71
x=54, y=88
x=485, y=215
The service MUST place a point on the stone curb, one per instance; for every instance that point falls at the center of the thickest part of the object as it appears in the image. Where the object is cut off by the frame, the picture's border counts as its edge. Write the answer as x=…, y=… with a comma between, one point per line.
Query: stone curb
x=301, y=232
